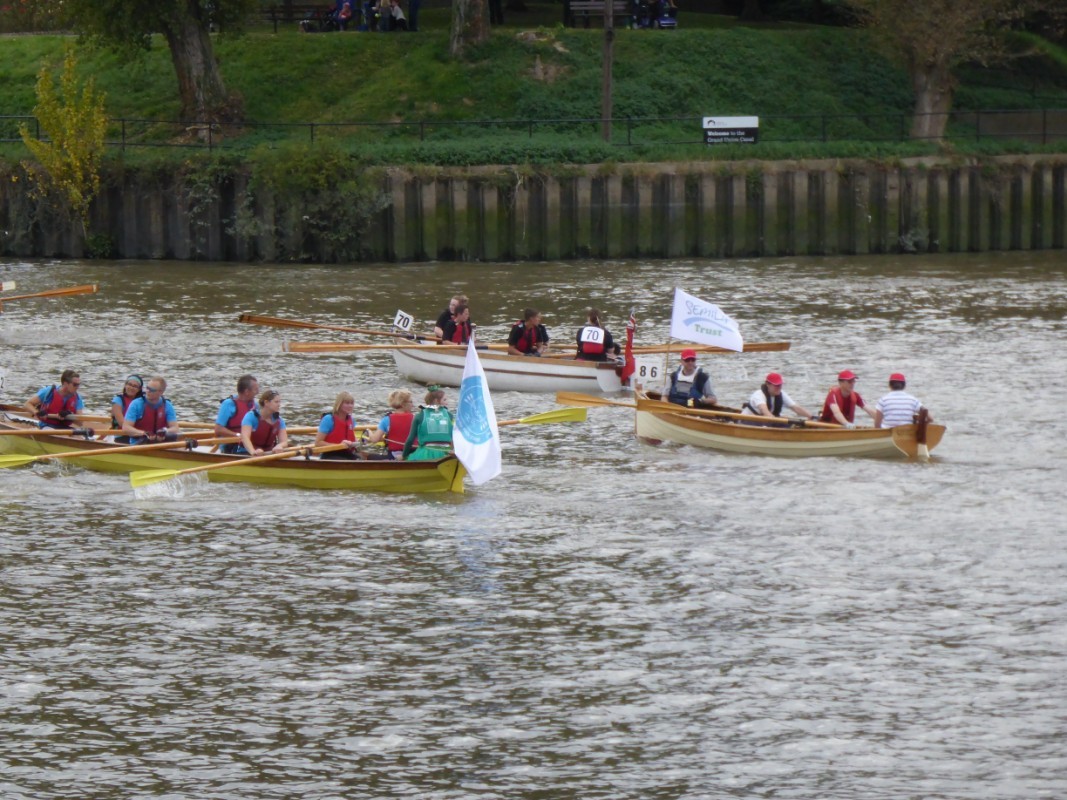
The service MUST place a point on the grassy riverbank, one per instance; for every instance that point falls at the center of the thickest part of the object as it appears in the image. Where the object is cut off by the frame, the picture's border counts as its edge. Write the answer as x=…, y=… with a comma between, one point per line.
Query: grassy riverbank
x=806, y=83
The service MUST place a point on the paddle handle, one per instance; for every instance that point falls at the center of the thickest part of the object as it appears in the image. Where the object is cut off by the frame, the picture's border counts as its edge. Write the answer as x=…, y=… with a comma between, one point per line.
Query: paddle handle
x=136, y=448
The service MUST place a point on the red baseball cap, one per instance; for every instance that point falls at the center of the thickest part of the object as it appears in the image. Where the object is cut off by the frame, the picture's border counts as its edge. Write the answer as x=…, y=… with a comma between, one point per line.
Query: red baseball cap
x=897, y=376
x=687, y=354
x=846, y=375
x=774, y=379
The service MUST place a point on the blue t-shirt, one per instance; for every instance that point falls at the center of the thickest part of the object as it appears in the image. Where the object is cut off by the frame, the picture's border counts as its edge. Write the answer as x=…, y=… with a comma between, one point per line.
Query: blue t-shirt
x=137, y=408
x=383, y=426
x=226, y=411
x=251, y=421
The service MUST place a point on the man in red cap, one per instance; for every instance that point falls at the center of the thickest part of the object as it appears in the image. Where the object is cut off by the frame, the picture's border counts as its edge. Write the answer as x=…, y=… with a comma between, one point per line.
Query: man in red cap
x=689, y=385
x=842, y=401
x=770, y=399
x=898, y=407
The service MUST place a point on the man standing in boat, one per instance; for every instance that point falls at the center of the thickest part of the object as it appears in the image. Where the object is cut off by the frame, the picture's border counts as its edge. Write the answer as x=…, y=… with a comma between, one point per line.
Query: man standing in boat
x=151, y=418
x=55, y=405
x=843, y=400
x=232, y=410
x=898, y=407
x=528, y=337
x=689, y=385
x=770, y=400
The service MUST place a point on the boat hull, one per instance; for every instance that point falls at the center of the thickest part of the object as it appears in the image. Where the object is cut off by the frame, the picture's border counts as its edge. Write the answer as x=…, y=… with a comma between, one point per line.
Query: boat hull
x=507, y=373
x=442, y=475
x=655, y=425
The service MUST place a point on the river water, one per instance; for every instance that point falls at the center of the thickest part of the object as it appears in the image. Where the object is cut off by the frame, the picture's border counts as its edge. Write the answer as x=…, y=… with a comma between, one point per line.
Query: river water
x=606, y=619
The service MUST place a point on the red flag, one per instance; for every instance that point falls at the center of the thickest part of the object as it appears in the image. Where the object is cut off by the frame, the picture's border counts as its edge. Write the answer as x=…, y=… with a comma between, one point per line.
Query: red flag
x=629, y=367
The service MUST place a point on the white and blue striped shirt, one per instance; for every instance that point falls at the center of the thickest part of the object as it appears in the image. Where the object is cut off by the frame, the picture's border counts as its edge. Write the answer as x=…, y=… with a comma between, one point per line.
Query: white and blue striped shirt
x=898, y=408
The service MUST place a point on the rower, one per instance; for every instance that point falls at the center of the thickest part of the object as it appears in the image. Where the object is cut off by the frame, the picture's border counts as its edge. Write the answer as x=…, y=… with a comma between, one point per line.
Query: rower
x=431, y=428
x=55, y=405
x=594, y=340
x=151, y=418
x=770, y=399
x=528, y=337
x=233, y=409
x=689, y=385
x=446, y=315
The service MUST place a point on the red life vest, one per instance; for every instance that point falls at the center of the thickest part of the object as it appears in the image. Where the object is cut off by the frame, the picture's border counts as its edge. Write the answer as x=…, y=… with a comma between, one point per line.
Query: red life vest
x=153, y=420
x=126, y=400
x=847, y=405
x=527, y=342
x=344, y=429
x=265, y=434
x=399, y=428
x=54, y=403
x=243, y=407
x=591, y=348
x=462, y=333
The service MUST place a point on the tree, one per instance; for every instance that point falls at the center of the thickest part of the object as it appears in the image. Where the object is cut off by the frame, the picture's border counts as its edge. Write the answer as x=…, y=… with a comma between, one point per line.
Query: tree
x=470, y=25
x=932, y=38
x=751, y=12
x=128, y=25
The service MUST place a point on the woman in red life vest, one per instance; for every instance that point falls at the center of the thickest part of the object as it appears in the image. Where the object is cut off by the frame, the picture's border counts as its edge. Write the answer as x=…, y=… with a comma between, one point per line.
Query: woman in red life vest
x=263, y=429
x=339, y=426
x=120, y=404
x=594, y=340
x=396, y=425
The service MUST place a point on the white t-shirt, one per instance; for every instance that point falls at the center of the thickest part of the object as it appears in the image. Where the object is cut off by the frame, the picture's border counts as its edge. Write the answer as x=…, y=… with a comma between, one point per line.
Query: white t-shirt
x=756, y=399
x=898, y=408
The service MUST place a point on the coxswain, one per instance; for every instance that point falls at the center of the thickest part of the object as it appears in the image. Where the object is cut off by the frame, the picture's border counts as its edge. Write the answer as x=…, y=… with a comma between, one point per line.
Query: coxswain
x=594, y=340
x=395, y=426
x=770, y=400
x=843, y=400
x=120, y=404
x=898, y=407
x=689, y=385
x=528, y=337
x=233, y=410
x=430, y=436
x=263, y=429
x=339, y=426
x=55, y=405
x=151, y=418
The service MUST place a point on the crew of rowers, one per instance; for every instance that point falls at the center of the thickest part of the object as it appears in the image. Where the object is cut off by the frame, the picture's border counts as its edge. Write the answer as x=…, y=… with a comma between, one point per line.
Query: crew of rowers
x=140, y=414
x=528, y=336
x=691, y=386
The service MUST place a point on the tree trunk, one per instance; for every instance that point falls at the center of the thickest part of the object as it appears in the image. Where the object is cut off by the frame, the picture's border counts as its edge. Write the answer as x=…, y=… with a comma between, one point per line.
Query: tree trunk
x=203, y=95
x=933, y=100
x=470, y=25
x=751, y=12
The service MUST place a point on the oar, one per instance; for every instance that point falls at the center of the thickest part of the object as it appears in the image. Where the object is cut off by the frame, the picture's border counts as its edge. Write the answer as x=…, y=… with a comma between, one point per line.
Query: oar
x=278, y=322
x=187, y=425
x=19, y=460
x=750, y=347
x=342, y=347
x=148, y=476
x=558, y=415
x=86, y=432
x=89, y=288
x=7, y=286
x=579, y=399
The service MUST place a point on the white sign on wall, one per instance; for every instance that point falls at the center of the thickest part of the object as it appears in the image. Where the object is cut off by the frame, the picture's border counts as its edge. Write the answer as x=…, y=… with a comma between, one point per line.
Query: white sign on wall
x=731, y=130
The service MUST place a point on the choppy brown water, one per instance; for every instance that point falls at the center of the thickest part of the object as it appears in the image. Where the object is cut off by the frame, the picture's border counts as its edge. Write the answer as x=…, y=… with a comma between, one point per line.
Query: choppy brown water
x=606, y=620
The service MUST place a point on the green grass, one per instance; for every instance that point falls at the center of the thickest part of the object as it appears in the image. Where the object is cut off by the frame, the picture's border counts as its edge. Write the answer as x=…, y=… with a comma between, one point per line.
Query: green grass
x=791, y=76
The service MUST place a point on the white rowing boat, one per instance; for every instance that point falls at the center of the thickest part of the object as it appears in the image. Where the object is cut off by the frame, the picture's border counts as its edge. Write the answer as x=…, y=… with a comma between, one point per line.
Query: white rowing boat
x=506, y=373
x=658, y=422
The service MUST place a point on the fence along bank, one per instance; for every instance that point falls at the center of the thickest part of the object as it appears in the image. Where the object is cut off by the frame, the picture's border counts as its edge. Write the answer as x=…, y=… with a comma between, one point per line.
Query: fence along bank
x=734, y=209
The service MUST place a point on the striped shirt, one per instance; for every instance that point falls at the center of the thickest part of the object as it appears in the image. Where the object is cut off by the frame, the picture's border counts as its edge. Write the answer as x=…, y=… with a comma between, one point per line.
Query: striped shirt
x=898, y=408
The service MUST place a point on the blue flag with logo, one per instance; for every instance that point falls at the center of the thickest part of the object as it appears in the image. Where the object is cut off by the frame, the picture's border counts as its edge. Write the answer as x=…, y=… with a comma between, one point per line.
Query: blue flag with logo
x=475, y=436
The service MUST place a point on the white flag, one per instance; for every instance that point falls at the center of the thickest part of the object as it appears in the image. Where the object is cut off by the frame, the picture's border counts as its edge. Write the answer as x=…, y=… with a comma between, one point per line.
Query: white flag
x=695, y=320
x=475, y=437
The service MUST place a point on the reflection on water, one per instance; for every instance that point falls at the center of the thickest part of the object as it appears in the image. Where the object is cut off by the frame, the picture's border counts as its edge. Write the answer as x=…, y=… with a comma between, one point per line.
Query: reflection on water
x=606, y=619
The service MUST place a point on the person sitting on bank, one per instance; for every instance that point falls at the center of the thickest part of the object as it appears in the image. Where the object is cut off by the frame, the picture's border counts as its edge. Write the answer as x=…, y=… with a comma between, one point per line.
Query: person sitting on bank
x=770, y=400
x=55, y=405
x=151, y=418
x=898, y=407
x=263, y=429
x=843, y=400
x=395, y=426
x=528, y=337
x=339, y=426
x=120, y=404
x=233, y=410
x=689, y=385
x=594, y=340
x=458, y=330
x=430, y=436
x=446, y=315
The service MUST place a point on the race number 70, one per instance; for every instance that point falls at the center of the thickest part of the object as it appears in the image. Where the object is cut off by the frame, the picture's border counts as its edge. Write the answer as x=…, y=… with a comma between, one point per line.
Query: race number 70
x=404, y=321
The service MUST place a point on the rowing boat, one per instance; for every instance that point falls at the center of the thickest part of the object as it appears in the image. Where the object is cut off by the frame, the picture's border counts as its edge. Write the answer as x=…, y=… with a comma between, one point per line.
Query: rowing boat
x=507, y=373
x=658, y=422
x=443, y=475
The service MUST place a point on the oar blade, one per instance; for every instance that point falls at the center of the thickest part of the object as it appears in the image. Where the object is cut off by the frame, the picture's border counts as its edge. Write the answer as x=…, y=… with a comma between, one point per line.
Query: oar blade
x=558, y=415
x=16, y=461
x=587, y=400
x=146, y=477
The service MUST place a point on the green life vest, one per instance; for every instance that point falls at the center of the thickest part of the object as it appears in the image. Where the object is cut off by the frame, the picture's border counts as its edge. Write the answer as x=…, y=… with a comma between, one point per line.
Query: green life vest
x=435, y=425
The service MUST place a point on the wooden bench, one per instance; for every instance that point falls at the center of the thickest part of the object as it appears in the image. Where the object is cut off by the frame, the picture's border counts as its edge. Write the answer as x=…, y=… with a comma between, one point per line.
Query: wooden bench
x=574, y=10
x=294, y=12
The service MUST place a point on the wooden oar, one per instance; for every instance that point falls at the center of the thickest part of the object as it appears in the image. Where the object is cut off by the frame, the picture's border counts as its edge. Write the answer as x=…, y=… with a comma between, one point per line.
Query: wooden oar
x=86, y=432
x=278, y=322
x=559, y=415
x=20, y=460
x=750, y=347
x=7, y=286
x=89, y=288
x=579, y=399
x=343, y=347
x=145, y=477
x=186, y=425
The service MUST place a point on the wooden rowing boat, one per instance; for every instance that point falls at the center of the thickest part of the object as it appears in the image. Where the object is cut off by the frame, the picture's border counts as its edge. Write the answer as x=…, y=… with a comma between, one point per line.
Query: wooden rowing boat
x=443, y=475
x=657, y=422
x=507, y=373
